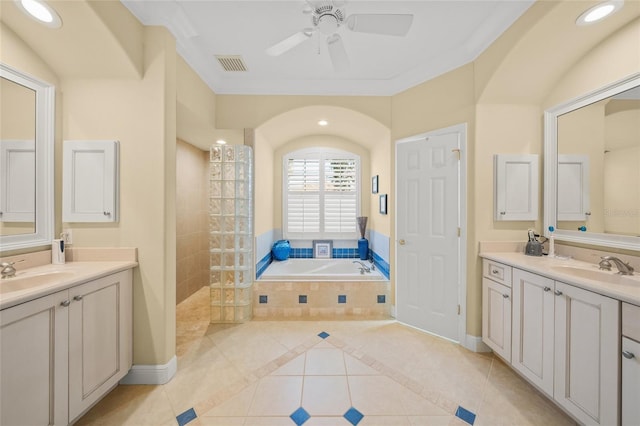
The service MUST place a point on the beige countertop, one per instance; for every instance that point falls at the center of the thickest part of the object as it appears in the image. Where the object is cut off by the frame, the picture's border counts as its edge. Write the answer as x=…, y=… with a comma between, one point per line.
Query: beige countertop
x=575, y=272
x=32, y=283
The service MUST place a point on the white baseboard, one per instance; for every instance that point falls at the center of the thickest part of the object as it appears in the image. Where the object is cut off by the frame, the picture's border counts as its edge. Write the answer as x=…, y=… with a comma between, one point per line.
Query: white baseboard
x=151, y=374
x=475, y=344
x=393, y=311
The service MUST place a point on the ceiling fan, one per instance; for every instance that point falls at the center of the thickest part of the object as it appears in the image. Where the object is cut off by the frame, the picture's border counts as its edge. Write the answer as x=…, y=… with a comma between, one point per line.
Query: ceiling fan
x=328, y=17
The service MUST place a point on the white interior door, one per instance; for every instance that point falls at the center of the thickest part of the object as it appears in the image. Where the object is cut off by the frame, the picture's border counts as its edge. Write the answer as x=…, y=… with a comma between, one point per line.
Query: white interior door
x=427, y=241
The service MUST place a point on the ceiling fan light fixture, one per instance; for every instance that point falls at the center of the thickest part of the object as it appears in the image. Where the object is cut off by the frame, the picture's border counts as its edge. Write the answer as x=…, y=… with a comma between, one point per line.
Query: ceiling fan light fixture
x=599, y=12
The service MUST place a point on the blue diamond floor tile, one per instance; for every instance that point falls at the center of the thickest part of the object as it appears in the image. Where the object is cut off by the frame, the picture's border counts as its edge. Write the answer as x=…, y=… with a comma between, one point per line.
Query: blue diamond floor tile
x=323, y=335
x=353, y=416
x=300, y=416
x=466, y=415
x=186, y=417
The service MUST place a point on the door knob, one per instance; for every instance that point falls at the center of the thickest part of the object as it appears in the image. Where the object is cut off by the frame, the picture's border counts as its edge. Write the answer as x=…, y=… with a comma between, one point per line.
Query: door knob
x=402, y=242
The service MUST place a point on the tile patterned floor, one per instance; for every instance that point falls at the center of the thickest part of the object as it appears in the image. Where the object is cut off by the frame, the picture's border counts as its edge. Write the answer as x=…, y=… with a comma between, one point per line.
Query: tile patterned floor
x=278, y=373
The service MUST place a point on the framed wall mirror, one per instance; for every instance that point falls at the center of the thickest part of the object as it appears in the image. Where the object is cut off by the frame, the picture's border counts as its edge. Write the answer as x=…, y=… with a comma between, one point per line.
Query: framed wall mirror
x=592, y=167
x=26, y=160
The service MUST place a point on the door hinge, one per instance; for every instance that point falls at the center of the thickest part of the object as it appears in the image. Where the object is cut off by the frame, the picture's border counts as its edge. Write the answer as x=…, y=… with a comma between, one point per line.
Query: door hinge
x=459, y=231
x=457, y=151
x=458, y=309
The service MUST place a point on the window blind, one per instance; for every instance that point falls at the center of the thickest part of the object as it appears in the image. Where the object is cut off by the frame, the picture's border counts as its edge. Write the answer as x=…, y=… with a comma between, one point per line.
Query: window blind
x=321, y=195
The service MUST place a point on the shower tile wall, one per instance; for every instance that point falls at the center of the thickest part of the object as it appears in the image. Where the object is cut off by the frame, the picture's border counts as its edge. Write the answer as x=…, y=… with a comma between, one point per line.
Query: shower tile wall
x=192, y=257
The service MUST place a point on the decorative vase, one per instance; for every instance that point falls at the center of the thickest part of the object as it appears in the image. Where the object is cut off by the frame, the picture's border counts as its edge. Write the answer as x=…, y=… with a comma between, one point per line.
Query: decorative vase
x=363, y=243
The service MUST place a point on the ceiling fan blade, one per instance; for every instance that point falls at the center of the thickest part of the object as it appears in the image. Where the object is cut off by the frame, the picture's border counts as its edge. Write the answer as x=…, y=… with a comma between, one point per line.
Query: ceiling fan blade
x=338, y=54
x=288, y=43
x=387, y=24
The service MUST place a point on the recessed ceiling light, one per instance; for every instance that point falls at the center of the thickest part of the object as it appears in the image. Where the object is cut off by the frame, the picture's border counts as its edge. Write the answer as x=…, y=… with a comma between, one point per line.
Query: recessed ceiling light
x=599, y=12
x=221, y=142
x=41, y=12
x=323, y=123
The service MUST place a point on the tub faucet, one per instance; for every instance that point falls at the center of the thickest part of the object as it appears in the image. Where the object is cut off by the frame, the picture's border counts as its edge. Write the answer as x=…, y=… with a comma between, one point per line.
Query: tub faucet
x=623, y=268
x=364, y=267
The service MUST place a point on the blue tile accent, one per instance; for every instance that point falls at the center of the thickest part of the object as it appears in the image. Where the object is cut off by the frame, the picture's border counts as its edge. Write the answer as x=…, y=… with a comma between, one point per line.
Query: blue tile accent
x=262, y=265
x=345, y=253
x=466, y=415
x=323, y=335
x=263, y=298
x=300, y=416
x=381, y=264
x=186, y=417
x=342, y=298
x=302, y=298
x=301, y=253
x=353, y=416
x=382, y=298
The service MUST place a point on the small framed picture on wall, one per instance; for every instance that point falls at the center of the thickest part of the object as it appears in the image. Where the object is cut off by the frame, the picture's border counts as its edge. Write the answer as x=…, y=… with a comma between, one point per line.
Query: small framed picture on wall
x=374, y=184
x=383, y=203
x=322, y=249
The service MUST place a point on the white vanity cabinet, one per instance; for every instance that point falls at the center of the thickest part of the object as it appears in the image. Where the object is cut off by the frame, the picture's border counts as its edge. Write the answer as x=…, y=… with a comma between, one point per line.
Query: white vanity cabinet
x=33, y=362
x=100, y=339
x=496, y=308
x=61, y=353
x=533, y=323
x=564, y=340
x=587, y=336
x=630, y=365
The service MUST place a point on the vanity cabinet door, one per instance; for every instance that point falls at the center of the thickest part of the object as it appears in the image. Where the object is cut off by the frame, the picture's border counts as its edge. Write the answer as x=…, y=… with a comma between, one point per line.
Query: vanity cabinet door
x=99, y=339
x=587, y=342
x=33, y=362
x=533, y=317
x=496, y=317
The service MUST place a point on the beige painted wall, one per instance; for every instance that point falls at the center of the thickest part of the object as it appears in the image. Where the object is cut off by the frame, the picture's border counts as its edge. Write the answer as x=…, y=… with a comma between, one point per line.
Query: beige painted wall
x=141, y=115
x=264, y=185
x=196, y=108
x=192, y=229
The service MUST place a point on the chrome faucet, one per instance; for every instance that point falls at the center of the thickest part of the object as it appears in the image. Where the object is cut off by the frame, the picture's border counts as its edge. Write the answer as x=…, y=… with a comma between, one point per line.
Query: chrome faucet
x=8, y=271
x=363, y=267
x=623, y=268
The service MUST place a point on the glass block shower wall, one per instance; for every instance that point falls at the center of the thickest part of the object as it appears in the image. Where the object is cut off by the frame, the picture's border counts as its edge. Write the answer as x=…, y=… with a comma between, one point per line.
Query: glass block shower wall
x=230, y=233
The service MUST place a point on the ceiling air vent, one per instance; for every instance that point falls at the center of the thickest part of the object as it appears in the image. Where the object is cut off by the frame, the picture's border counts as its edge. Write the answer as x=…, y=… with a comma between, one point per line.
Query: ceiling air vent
x=231, y=62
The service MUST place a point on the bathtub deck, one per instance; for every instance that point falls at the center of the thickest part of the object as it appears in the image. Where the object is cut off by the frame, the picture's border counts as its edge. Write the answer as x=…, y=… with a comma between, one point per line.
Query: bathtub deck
x=334, y=300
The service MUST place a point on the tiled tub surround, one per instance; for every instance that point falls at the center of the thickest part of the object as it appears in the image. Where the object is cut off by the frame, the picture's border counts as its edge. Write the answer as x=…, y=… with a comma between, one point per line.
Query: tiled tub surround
x=343, y=249
x=320, y=289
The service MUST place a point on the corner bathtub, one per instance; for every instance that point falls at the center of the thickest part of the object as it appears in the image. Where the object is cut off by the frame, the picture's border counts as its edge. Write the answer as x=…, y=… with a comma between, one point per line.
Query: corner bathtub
x=319, y=270
x=310, y=289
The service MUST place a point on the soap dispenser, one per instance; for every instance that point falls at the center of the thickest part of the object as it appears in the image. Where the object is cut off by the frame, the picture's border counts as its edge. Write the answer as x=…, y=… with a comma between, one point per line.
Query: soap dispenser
x=57, y=252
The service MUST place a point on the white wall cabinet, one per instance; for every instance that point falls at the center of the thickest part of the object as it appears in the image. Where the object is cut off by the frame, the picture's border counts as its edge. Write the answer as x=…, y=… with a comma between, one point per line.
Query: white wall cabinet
x=533, y=323
x=18, y=181
x=587, y=336
x=516, y=185
x=565, y=340
x=573, y=187
x=90, y=181
x=496, y=308
x=61, y=353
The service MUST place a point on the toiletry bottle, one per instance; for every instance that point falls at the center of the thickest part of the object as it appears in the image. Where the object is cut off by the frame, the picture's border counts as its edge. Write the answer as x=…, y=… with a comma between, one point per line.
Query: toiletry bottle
x=552, y=246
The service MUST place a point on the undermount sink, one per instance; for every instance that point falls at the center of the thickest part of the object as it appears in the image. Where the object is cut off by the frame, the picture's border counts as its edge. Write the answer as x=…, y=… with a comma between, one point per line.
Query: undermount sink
x=23, y=282
x=596, y=275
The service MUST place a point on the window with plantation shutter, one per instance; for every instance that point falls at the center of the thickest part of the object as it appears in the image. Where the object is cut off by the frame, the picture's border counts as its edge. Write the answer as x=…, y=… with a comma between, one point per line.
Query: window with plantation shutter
x=320, y=194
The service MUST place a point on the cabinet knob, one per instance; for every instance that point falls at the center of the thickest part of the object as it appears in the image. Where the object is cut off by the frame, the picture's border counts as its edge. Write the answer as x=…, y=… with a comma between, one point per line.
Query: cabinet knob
x=557, y=293
x=628, y=355
x=587, y=213
x=494, y=271
x=547, y=289
x=65, y=303
x=503, y=213
x=106, y=213
x=506, y=296
x=77, y=298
